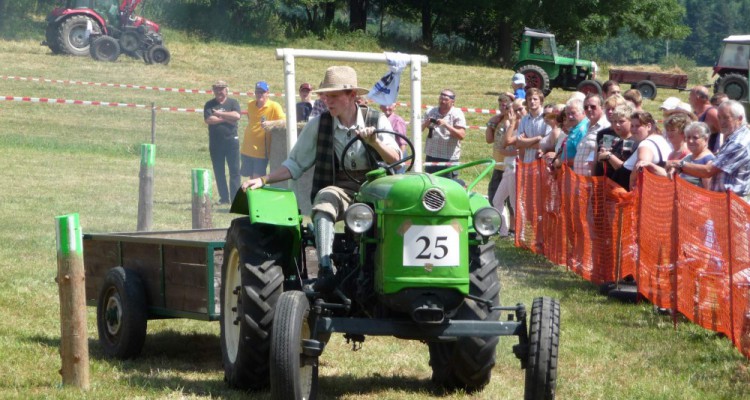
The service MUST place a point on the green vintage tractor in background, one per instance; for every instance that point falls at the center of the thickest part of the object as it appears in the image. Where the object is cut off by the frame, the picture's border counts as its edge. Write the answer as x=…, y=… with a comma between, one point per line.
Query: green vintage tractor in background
x=545, y=69
x=415, y=261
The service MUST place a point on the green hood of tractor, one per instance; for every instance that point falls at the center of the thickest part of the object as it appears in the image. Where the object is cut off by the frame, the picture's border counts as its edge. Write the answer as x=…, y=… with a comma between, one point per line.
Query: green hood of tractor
x=403, y=194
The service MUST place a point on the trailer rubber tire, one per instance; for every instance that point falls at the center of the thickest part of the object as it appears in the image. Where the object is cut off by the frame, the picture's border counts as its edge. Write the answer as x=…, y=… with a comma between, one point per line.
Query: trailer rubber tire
x=544, y=341
x=71, y=35
x=105, y=48
x=294, y=374
x=122, y=314
x=647, y=89
x=734, y=85
x=536, y=77
x=158, y=54
x=467, y=362
x=590, y=86
x=252, y=281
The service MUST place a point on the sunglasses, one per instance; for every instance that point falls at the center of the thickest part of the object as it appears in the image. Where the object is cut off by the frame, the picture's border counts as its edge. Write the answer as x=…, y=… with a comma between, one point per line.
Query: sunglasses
x=590, y=107
x=450, y=96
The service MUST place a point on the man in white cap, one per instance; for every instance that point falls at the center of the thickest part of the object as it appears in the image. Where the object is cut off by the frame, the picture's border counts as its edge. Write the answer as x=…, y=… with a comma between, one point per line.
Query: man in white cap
x=672, y=105
x=518, y=82
x=321, y=144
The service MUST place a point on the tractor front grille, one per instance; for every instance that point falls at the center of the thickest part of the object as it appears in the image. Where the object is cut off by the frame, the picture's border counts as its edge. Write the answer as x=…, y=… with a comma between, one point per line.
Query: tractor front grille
x=433, y=200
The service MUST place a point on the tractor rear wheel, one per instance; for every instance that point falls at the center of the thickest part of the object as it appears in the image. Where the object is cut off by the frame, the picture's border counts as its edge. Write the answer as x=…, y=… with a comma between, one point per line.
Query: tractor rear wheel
x=467, y=363
x=72, y=37
x=252, y=281
x=544, y=340
x=294, y=374
x=536, y=77
x=734, y=85
x=158, y=54
x=121, y=314
x=105, y=48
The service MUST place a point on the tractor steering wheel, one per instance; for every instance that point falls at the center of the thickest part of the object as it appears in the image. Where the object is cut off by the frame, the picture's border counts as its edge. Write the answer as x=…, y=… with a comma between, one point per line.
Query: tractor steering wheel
x=389, y=168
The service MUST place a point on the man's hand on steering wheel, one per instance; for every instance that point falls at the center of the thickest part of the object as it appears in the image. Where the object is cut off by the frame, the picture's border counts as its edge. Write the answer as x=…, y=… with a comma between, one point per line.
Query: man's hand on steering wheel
x=367, y=135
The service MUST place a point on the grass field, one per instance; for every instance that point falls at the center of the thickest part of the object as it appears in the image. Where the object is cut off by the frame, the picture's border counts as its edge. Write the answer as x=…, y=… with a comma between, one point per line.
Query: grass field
x=59, y=159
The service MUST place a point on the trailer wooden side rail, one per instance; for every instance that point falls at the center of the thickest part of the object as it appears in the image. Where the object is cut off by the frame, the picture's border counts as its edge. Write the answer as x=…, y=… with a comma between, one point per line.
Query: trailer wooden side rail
x=646, y=82
x=180, y=270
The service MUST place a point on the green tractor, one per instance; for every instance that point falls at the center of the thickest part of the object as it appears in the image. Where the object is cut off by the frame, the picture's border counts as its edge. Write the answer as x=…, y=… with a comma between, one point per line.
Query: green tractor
x=415, y=261
x=544, y=69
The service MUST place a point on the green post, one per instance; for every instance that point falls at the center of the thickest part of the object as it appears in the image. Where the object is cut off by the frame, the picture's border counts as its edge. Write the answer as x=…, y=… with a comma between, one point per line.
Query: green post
x=202, y=185
x=71, y=281
x=146, y=187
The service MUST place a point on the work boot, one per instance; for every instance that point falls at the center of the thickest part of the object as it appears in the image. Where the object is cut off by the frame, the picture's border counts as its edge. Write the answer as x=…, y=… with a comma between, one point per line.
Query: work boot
x=326, y=281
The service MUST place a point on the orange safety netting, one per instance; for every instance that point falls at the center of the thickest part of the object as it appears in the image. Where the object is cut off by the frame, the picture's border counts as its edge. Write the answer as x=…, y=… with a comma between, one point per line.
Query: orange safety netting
x=688, y=248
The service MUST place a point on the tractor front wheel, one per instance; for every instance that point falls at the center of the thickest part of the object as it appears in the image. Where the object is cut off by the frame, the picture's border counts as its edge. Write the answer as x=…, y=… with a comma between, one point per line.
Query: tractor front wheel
x=467, y=363
x=121, y=314
x=536, y=77
x=544, y=340
x=294, y=374
x=158, y=54
x=590, y=86
x=252, y=281
x=105, y=48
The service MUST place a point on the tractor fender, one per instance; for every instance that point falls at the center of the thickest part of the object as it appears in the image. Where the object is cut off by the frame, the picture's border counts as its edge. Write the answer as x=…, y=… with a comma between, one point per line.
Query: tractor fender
x=89, y=13
x=268, y=205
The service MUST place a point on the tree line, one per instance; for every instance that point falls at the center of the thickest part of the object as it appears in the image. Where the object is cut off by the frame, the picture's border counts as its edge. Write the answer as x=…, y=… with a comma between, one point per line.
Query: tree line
x=622, y=32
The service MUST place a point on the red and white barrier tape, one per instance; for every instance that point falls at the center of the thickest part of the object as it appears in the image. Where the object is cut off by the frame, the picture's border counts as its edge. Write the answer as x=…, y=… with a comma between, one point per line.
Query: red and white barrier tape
x=190, y=91
x=114, y=104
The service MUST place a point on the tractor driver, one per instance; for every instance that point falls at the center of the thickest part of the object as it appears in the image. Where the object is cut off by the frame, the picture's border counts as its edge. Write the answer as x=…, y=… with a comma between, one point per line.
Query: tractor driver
x=320, y=144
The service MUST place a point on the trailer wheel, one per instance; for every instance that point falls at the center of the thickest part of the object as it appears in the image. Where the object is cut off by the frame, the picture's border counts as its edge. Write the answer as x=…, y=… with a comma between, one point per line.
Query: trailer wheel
x=105, y=48
x=590, y=86
x=734, y=85
x=467, y=362
x=252, y=281
x=544, y=340
x=121, y=314
x=647, y=89
x=536, y=77
x=71, y=36
x=294, y=374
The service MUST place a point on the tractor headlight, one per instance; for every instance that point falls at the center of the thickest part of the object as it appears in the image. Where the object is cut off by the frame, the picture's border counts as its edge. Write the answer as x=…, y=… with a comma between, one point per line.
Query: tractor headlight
x=487, y=221
x=359, y=217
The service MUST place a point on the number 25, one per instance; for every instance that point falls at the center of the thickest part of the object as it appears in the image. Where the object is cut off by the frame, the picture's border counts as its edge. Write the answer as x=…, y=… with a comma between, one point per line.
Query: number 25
x=425, y=254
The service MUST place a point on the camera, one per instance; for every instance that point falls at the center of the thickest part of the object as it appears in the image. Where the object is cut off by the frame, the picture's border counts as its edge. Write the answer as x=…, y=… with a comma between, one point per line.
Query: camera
x=433, y=121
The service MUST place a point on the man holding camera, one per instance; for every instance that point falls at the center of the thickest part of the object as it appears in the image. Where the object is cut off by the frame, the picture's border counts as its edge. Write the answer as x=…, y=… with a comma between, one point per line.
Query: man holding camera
x=446, y=129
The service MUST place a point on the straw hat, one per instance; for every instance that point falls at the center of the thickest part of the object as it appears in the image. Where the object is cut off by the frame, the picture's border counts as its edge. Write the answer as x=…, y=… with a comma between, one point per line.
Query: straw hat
x=340, y=78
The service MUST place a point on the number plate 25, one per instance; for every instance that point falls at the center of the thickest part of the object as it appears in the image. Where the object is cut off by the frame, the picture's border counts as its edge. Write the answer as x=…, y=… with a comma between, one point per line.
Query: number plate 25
x=435, y=245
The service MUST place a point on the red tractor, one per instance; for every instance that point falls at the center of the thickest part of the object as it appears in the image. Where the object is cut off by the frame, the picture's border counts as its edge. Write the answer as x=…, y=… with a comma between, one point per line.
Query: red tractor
x=104, y=29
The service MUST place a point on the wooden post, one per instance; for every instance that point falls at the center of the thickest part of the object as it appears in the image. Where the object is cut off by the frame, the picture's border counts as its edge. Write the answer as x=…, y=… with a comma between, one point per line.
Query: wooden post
x=146, y=187
x=202, y=185
x=74, y=345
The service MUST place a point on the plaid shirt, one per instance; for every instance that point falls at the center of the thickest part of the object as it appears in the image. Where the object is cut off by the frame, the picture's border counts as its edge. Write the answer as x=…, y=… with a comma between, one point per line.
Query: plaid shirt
x=733, y=160
x=586, y=148
x=441, y=144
